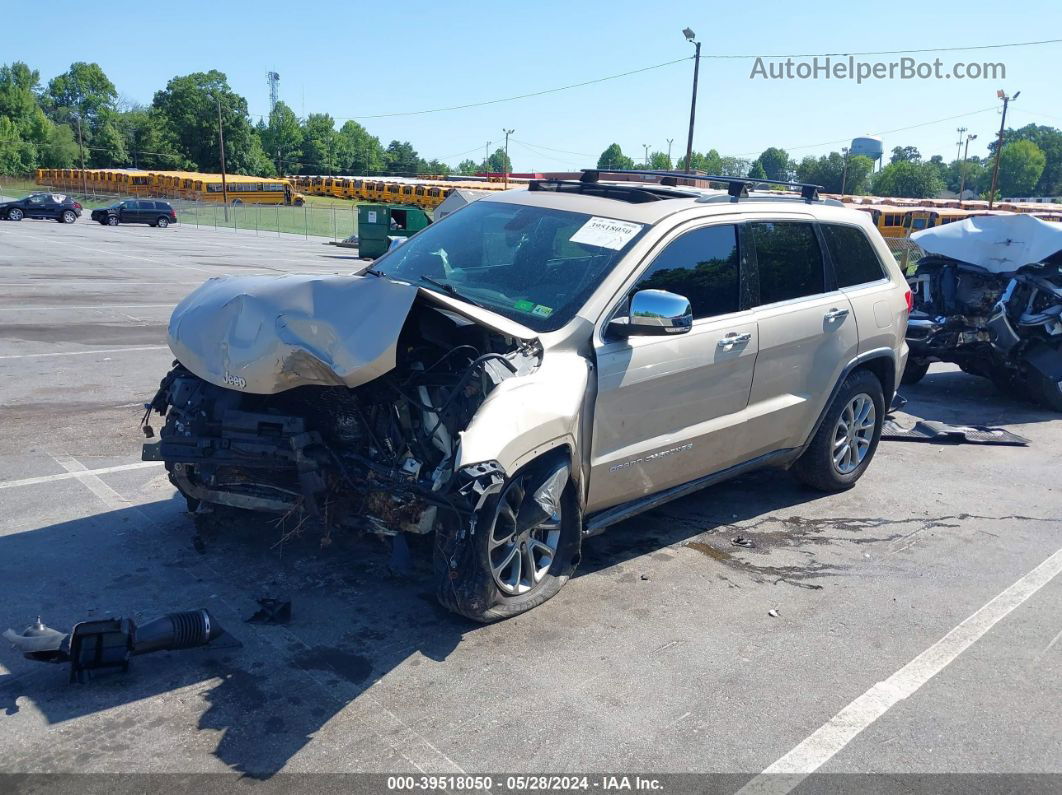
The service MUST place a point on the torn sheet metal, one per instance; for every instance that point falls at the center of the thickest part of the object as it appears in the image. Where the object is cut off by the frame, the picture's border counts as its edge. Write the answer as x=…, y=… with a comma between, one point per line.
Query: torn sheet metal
x=928, y=431
x=268, y=334
x=997, y=243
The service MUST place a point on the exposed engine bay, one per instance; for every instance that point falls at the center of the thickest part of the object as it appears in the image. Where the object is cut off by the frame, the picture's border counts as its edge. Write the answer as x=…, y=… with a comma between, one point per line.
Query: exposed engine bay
x=377, y=457
x=992, y=318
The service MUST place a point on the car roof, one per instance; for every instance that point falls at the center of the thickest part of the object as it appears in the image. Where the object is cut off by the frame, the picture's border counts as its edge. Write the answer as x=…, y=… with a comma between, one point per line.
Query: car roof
x=706, y=202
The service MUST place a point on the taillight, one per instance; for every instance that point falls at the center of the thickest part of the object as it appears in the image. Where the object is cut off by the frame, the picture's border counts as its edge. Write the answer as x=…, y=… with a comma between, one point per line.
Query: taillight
x=77, y=206
x=909, y=298
x=173, y=214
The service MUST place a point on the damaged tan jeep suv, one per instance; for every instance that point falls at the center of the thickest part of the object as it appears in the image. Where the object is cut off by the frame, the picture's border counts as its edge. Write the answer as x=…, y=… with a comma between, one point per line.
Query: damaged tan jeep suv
x=537, y=366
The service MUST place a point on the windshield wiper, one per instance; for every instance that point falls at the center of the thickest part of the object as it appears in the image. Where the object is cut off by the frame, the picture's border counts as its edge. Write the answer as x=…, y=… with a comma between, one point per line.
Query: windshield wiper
x=373, y=271
x=449, y=288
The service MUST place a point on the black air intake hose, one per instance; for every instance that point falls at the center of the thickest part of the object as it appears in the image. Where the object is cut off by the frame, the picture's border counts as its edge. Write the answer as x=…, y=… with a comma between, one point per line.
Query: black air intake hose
x=176, y=631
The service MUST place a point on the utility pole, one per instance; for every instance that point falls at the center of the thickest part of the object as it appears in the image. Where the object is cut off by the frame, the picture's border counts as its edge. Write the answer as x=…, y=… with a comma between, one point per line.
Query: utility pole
x=669, y=142
x=999, y=144
x=646, y=148
x=81, y=146
x=690, y=36
x=961, y=131
x=962, y=168
x=224, y=182
x=844, y=170
x=486, y=157
x=505, y=162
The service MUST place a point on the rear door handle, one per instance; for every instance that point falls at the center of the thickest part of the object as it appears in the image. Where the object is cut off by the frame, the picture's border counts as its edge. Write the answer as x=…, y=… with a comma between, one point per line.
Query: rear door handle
x=733, y=338
x=836, y=314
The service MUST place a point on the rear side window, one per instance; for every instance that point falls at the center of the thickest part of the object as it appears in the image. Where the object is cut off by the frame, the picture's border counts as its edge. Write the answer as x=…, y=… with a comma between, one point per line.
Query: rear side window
x=789, y=259
x=854, y=260
x=702, y=265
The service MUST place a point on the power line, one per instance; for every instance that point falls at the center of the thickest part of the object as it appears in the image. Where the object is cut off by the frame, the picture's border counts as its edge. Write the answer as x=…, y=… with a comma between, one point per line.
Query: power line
x=886, y=52
x=709, y=56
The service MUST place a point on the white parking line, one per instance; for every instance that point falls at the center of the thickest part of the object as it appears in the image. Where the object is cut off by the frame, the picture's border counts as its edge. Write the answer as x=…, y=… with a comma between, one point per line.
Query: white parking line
x=76, y=473
x=84, y=353
x=787, y=773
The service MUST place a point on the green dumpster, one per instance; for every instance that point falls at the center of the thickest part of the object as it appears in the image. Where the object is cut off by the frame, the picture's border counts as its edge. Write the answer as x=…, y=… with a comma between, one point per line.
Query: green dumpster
x=379, y=223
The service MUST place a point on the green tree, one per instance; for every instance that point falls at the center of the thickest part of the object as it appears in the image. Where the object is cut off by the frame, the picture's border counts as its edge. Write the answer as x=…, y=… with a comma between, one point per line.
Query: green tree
x=434, y=166
x=905, y=154
x=188, y=107
x=359, y=152
x=84, y=90
x=614, y=158
x=830, y=172
x=757, y=171
x=282, y=139
x=320, y=145
x=499, y=162
x=907, y=179
x=1049, y=139
x=26, y=133
x=149, y=141
x=401, y=158
x=977, y=175
x=659, y=161
x=467, y=166
x=775, y=163
x=709, y=162
x=1020, y=165
x=60, y=150
x=734, y=167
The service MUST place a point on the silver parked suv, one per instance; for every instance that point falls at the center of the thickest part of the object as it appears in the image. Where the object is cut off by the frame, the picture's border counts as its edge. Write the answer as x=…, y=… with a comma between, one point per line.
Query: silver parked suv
x=535, y=367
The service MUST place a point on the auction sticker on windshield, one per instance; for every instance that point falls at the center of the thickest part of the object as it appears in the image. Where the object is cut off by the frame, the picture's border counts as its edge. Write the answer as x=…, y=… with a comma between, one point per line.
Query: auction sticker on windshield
x=606, y=233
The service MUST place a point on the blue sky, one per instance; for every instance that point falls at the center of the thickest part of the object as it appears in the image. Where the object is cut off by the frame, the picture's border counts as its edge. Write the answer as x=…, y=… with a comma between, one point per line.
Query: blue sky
x=354, y=59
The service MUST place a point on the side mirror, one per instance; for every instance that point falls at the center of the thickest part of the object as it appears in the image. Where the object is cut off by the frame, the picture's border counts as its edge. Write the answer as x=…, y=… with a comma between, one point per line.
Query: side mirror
x=654, y=312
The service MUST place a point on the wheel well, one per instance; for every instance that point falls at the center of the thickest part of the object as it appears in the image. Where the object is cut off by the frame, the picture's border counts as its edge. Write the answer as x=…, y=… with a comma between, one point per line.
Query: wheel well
x=883, y=369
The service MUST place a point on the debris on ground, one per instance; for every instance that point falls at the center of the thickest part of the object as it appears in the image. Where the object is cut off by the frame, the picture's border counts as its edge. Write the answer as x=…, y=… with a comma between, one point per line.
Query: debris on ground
x=929, y=431
x=272, y=611
x=111, y=642
x=741, y=541
x=772, y=613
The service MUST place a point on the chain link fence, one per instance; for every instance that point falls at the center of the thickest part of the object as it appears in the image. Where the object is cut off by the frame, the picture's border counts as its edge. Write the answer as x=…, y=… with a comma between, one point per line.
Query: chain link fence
x=332, y=221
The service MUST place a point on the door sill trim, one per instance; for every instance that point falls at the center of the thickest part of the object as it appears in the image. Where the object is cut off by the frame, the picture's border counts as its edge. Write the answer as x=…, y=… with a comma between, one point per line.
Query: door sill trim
x=597, y=522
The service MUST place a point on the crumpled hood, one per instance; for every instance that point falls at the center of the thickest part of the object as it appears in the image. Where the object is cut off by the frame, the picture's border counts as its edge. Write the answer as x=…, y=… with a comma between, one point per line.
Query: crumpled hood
x=997, y=243
x=266, y=334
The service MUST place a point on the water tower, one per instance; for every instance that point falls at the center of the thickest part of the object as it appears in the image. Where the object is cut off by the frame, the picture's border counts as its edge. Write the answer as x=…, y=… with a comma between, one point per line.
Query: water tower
x=868, y=146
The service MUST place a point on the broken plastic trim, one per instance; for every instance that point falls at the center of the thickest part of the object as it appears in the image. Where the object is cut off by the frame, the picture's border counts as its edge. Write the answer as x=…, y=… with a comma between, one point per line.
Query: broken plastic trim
x=477, y=482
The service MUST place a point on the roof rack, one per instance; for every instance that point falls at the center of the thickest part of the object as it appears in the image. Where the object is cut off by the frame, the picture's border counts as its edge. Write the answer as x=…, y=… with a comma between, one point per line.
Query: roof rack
x=737, y=187
x=635, y=194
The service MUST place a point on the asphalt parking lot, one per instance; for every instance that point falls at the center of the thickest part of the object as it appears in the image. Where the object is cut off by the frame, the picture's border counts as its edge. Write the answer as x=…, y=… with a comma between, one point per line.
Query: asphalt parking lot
x=660, y=656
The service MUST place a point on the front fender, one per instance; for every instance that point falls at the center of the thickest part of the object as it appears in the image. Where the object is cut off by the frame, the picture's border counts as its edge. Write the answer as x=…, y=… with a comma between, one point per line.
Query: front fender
x=527, y=416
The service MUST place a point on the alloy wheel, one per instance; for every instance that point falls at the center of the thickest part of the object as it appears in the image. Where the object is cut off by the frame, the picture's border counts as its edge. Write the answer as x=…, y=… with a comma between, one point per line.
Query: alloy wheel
x=522, y=544
x=853, y=433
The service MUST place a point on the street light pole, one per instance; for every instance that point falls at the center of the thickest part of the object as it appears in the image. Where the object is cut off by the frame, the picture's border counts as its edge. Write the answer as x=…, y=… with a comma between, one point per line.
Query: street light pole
x=999, y=144
x=81, y=146
x=505, y=162
x=962, y=132
x=690, y=35
x=669, y=142
x=646, y=148
x=962, y=168
x=844, y=170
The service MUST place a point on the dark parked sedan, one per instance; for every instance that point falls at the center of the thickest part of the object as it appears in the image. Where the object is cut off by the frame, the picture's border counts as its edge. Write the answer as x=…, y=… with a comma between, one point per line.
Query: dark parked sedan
x=137, y=211
x=52, y=206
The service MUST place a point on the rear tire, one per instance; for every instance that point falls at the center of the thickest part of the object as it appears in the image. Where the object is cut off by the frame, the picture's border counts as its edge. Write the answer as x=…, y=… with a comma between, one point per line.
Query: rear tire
x=845, y=443
x=68, y=217
x=473, y=578
x=162, y=222
x=914, y=371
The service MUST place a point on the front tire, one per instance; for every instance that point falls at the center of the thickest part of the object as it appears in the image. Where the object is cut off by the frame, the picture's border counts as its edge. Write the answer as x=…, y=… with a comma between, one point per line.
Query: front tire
x=846, y=441
x=112, y=220
x=517, y=557
x=15, y=214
